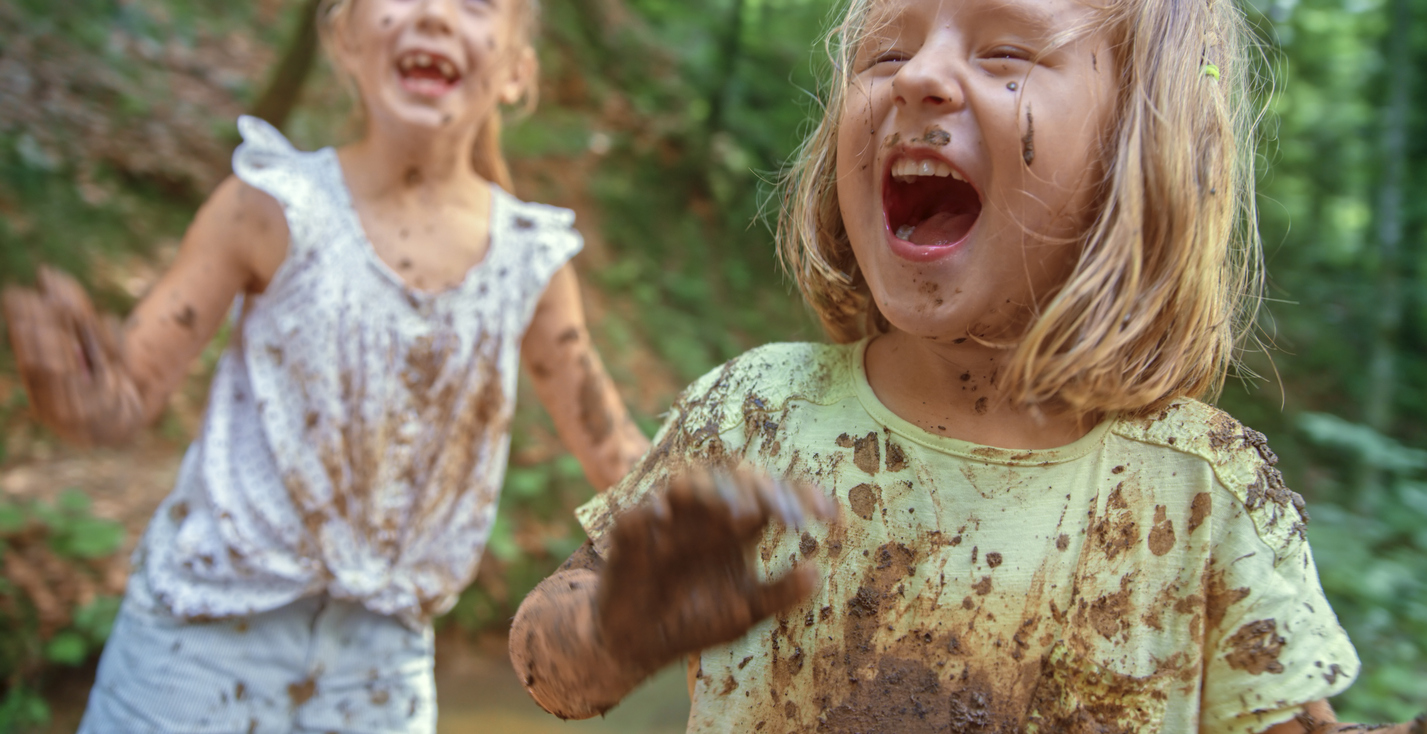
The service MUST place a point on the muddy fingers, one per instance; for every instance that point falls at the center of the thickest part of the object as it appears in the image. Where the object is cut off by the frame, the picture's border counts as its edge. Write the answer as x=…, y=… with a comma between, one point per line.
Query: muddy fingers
x=71, y=362
x=784, y=593
x=681, y=574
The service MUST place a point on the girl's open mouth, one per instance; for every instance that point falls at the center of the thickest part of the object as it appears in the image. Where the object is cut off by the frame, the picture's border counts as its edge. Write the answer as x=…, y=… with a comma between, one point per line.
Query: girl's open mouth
x=927, y=204
x=426, y=73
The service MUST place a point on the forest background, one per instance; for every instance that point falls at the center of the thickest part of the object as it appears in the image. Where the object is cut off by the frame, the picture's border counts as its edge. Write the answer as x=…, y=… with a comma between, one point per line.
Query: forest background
x=662, y=123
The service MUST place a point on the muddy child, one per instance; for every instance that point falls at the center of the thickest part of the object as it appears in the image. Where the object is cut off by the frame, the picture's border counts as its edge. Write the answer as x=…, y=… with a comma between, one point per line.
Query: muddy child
x=1027, y=226
x=347, y=474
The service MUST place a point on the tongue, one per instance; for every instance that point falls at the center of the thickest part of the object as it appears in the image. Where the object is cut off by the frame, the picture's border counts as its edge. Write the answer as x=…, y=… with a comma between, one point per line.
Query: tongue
x=942, y=228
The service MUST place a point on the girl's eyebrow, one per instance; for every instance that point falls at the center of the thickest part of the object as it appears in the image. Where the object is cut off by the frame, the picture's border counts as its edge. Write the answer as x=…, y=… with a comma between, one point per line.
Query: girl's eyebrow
x=1022, y=14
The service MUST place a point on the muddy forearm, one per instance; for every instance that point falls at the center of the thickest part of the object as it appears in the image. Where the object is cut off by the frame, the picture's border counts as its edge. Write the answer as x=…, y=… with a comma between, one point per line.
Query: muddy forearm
x=558, y=652
x=1319, y=722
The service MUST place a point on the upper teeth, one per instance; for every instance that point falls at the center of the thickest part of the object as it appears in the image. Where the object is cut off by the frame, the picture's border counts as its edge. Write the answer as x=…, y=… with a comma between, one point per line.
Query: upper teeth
x=907, y=169
x=425, y=60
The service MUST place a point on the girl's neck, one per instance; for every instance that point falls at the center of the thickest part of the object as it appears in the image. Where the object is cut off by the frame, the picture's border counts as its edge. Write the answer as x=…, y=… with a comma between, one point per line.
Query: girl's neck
x=950, y=389
x=389, y=162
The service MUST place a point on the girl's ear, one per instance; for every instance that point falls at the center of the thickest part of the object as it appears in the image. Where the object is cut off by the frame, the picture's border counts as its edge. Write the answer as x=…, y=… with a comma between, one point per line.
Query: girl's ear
x=522, y=75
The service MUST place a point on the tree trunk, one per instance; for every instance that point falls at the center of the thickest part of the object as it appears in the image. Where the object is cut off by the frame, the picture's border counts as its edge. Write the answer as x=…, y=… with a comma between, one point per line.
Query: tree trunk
x=285, y=85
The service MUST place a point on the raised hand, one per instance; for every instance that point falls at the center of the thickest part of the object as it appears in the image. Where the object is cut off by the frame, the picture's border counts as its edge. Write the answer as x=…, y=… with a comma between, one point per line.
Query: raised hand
x=680, y=577
x=680, y=573
x=71, y=361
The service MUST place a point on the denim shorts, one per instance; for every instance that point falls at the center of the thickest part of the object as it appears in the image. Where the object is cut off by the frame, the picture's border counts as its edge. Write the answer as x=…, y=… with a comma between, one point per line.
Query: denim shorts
x=316, y=665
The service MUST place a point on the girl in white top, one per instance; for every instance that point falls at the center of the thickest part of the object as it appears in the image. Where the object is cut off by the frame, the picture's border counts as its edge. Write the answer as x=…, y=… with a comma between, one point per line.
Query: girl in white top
x=346, y=477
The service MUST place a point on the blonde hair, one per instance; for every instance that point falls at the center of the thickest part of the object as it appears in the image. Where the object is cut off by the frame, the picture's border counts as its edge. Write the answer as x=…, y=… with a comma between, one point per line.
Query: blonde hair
x=487, y=158
x=1169, y=276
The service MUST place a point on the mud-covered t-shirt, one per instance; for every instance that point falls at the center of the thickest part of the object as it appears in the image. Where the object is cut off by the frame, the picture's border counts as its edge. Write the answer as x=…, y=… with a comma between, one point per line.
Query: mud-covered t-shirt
x=1151, y=576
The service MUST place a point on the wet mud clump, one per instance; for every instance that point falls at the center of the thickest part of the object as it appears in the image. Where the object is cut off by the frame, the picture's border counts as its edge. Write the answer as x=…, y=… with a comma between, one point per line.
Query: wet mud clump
x=864, y=499
x=1255, y=648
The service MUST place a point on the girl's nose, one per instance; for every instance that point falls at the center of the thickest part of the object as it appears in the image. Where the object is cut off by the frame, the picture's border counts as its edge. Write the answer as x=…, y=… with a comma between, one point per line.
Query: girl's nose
x=436, y=17
x=929, y=79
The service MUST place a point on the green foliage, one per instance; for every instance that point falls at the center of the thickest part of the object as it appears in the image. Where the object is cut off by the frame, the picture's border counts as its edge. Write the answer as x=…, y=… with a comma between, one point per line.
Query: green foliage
x=53, y=611
x=1323, y=163
x=1371, y=566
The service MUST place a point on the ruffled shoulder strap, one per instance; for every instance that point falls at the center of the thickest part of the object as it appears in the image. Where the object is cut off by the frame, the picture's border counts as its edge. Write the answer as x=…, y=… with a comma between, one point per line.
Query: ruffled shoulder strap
x=542, y=238
x=268, y=162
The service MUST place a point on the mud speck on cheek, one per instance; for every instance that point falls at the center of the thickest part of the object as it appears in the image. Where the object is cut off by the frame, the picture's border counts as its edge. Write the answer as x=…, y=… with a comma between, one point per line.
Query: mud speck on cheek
x=1255, y=648
x=864, y=499
x=981, y=405
x=1028, y=141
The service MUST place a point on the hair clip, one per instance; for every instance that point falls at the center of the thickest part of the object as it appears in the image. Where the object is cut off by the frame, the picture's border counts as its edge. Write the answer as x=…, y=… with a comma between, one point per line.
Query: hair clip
x=1210, y=70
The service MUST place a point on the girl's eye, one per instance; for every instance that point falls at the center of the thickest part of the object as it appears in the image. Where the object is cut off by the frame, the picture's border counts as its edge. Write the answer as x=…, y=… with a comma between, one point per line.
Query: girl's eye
x=1008, y=53
x=890, y=56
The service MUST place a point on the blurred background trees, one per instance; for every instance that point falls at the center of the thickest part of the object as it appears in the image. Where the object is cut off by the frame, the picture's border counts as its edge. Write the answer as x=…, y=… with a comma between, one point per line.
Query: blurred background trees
x=662, y=123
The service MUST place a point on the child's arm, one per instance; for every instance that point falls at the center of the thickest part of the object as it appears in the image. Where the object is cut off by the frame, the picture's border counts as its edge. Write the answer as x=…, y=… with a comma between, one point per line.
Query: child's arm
x=679, y=578
x=1318, y=718
x=93, y=383
x=571, y=382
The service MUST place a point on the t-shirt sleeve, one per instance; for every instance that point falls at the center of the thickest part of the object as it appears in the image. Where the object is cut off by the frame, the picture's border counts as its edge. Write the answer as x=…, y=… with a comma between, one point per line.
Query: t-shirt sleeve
x=1272, y=642
x=698, y=430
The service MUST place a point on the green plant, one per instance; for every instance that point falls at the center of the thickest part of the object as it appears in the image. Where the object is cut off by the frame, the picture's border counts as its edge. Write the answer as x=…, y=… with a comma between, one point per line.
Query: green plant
x=1370, y=563
x=58, y=597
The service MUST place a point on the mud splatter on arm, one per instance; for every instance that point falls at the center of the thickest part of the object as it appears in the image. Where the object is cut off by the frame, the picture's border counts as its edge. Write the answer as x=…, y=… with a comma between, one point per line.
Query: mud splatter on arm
x=124, y=377
x=571, y=382
x=236, y=242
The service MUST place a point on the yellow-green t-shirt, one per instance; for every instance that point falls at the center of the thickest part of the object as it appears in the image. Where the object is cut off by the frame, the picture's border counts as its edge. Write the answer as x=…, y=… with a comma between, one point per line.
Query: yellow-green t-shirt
x=1151, y=576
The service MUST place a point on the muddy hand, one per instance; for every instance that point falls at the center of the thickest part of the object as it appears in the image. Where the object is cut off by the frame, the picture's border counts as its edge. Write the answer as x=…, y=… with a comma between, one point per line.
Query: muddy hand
x=680, y=573
x=71, y=362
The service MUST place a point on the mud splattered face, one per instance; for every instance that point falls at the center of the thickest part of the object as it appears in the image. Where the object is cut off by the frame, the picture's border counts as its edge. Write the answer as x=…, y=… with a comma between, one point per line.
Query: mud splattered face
x=433, y=63
x=968, y=147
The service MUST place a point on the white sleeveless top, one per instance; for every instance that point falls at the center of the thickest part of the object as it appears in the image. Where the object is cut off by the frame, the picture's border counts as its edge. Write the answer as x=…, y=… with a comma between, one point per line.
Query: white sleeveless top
x=357, y=430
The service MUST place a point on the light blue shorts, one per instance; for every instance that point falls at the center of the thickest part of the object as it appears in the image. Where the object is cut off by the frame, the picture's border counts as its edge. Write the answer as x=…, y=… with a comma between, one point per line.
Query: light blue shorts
x=316, y=665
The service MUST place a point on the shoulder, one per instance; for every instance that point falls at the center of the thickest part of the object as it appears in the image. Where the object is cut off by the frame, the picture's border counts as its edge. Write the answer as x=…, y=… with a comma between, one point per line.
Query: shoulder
x=527, y=216
x=1240, y=458
x=767, y=378
x=708, y=421
x=544, y=236
x=246, y=221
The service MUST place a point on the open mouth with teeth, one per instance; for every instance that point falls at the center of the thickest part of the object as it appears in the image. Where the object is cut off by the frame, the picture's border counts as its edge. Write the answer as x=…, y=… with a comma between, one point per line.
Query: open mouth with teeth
x=927, y=202
x=427, y=74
